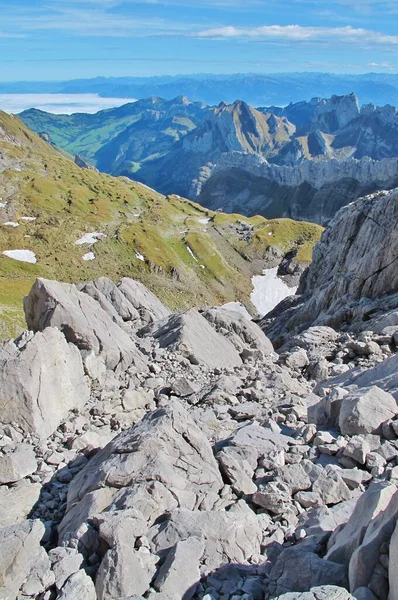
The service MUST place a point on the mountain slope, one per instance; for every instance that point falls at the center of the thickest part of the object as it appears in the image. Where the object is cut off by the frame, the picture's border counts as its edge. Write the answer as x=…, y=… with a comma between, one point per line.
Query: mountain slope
x=131, y=132
x=184, y=253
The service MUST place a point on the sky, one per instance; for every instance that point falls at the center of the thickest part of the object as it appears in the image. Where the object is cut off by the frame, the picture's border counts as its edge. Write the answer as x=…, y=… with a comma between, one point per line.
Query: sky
x=43, y=40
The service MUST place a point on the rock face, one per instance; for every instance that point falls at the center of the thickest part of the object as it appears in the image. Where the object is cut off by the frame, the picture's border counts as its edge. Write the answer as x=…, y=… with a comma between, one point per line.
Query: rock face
x=40, y=381
x=310, y=191
x=83, y=322
x=370, y=283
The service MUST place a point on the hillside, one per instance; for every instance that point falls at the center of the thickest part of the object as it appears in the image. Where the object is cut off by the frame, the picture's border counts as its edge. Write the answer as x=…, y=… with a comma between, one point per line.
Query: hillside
x=186, y=254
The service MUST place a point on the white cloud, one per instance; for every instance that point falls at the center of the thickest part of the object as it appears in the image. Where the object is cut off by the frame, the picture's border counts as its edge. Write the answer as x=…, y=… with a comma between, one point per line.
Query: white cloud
x=381, y=65
x=298, y=33
x=59, y=103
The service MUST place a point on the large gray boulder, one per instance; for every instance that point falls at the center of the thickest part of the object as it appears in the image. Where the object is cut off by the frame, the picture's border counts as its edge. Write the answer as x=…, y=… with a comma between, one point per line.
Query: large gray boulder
x=297, y=570
x=24, y=564
x=16, y=462
x=111, y=299
x=190, y=334
x=242, y=333
x=149, y=307
x=365, y=410
x=83, y=322
x=323, y=592
x=165, y=451
x=17, y=501
x=40, y=382
x=227, y=536
x=345, y=541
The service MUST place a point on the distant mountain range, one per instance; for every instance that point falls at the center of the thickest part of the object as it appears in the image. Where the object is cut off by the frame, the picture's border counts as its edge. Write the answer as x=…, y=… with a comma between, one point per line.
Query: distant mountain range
x=255, y=89
x=304, y=161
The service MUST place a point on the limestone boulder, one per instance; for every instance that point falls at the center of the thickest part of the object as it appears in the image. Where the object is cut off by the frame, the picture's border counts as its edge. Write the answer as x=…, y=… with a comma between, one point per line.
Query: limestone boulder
x=192, y=335
x=41, y=382
x=365, y=410
x=149, y=307
x=83, y=322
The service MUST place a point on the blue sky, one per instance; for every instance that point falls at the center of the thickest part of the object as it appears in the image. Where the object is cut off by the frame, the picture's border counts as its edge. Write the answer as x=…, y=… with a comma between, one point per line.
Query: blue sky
x=68, y=39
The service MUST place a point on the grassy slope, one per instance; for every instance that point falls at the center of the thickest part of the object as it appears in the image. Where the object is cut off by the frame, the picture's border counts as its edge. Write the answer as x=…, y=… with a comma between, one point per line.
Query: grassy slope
x=37, y=181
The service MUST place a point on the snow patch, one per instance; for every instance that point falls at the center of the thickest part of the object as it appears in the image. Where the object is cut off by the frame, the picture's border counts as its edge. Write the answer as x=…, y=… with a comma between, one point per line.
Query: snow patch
x=89, y=256
x=21, y=255
x=3, y=204
x=11, y=224
x=90, y=238
x=140, y=257
x=29, y=219
x=204, y=221
x=191, y=253
x=269, y=290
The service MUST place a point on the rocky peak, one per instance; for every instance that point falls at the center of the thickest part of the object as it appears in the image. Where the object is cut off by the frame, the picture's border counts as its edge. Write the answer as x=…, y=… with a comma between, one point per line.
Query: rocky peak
x=335, y=113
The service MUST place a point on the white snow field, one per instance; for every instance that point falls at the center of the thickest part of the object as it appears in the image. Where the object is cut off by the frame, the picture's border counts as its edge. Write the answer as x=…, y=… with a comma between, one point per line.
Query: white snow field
x=21, y=255
x=269, y=290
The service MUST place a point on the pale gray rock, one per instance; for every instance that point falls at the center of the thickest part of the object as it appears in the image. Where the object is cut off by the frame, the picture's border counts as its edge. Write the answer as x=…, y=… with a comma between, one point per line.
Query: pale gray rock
x=298, y=571
x=238, y=465
x=295, y=477
x=345, y=542
x=365, y=410
x=330, y=487
x=149, y=307
x=393, y=564
x=242, y=332
x=365, y=558
x=165, y=449
x=370, y=280
x=64, y=562
x=111, y=299
x=17, y=501
x=323, y=592
x=79, y=585
x=41, y=382
x=16, y=462
x=24, y=564
x=125, y=570
x=190, y=334
x=179, y=575
x=228, y=537
x=359, y=447
x=83, y=322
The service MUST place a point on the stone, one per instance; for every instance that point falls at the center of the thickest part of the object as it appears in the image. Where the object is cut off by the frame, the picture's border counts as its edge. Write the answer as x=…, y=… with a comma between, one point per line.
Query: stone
x=41, y=382
x=237, y=466
x=330, y=487
x=24, y=564
x=180, y=573
x=323, y=592
x=359, y=447
x=83, y=322
x=16, y=462
x=65, y=562
x=297, y=571
x=241, y=332
x=274, y=497
x=295, y=477
x=111, y=299
x=165, y=449
x=149, y=307
x=308, y=499
x=227, y=537
x=79, y=585
x=190, y=334
x=17, y=501
x=393, y=564
x=297, y=359
x=345, y=542
x=364, y=411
